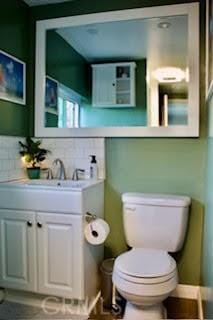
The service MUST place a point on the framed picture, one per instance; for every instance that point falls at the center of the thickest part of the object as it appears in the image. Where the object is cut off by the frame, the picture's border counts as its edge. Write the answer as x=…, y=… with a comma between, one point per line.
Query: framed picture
x=51, y=93
x=209, y=47
x=12, y=79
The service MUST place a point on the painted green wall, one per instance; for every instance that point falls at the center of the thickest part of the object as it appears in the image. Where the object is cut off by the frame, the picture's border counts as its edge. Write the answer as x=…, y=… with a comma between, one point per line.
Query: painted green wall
x=207, y=272
x=66, y=65
x=208, y=226
x=150, y=165
x=15, y=41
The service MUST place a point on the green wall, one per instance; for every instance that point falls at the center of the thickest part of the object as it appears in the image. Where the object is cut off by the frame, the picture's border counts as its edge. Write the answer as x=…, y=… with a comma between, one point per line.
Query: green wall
x=150, y=165
x=66, y=65
x=208, y=226
x=14, y=18
x=207, y=272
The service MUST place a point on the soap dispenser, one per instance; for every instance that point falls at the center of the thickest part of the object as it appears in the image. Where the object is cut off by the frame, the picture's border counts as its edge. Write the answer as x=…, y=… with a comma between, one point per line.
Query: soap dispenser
x=93, y=168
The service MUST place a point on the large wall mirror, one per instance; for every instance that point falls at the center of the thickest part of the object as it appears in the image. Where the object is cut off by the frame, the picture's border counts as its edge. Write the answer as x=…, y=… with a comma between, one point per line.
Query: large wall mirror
x=122, y=73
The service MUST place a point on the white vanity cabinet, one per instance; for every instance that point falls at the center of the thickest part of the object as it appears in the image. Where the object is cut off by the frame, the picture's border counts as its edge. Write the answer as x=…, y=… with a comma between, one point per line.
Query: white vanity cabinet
x=38, y=252
x=113, y=84
x=60, y=268
x=43, y=250
x=17, y=250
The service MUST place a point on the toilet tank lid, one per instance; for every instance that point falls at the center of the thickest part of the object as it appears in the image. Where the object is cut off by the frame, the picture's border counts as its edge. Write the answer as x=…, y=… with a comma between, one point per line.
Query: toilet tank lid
x=156, y=199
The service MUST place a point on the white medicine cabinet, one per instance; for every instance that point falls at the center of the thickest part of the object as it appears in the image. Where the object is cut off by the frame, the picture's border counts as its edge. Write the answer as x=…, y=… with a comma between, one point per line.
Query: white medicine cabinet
x=113, y=85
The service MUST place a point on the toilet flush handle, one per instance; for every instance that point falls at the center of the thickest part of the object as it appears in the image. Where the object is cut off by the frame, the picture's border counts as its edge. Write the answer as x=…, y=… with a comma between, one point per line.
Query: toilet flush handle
x=130, y=208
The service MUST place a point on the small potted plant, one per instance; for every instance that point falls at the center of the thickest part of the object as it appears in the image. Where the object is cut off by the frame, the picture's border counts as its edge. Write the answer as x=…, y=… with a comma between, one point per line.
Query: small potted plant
x=33, y=155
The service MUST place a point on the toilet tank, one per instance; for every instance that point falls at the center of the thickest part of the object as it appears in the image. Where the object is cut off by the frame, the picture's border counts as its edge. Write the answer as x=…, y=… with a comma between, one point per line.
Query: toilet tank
x=156, y=221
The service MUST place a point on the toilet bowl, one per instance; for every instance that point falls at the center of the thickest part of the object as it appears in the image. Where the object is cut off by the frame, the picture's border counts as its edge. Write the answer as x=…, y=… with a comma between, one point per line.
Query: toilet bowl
x=154, y=225
x=145, y=277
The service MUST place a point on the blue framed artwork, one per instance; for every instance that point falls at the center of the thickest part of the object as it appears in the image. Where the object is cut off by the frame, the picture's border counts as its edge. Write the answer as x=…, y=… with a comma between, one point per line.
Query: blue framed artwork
x=12, y=79
x=51, y=93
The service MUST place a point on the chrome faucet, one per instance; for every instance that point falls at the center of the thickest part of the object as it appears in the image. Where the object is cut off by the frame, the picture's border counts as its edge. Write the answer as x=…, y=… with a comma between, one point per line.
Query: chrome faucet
x=75, y=175
x=62, y=172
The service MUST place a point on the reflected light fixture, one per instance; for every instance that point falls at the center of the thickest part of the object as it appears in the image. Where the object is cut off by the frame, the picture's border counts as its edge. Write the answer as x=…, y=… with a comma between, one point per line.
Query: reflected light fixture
x=164, y=25
x=169, y=74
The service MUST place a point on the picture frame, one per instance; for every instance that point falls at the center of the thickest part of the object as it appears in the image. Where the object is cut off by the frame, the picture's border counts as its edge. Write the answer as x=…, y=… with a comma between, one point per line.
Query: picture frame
x=12, y=79
x=209, y=48
x=51, y=93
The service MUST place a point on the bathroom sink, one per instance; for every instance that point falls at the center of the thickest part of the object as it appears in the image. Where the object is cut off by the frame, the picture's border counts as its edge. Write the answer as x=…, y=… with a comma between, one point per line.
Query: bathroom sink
x=52, y=184
x=80, y=184
x=49, y=195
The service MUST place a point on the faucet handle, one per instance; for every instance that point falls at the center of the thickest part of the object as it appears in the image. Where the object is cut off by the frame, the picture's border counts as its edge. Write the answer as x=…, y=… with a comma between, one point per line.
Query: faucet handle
x=76, y=172
x=49, y=174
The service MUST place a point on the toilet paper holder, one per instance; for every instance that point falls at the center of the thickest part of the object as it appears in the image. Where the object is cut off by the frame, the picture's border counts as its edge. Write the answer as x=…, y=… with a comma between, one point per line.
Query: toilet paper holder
x=89, y=217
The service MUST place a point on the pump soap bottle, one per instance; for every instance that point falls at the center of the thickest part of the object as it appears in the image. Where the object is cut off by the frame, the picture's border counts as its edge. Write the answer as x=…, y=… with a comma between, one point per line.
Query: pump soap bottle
x=93, y=168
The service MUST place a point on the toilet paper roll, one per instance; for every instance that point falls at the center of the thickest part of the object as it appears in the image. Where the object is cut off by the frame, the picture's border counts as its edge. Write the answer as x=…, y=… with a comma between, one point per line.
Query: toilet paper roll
x=96, y=231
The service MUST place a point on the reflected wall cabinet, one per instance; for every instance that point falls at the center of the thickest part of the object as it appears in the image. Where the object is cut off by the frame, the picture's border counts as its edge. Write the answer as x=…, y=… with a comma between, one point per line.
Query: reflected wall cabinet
x=113, y=85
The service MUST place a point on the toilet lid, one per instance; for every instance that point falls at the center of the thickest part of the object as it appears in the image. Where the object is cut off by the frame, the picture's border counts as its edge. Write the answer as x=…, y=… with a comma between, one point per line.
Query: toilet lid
x=145, y=263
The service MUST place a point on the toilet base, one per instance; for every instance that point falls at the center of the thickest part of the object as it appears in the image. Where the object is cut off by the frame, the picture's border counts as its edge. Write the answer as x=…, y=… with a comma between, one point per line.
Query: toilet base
x=137, y=312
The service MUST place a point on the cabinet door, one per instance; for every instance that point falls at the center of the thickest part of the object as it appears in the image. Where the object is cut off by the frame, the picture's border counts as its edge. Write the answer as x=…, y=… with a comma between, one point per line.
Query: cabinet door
x=104, y=86
x=125, y=85
x=18, y=250
x=60, y=255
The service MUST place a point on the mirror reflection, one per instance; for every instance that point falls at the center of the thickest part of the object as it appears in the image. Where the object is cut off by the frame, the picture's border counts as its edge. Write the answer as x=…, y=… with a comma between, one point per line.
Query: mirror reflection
x=118, y=74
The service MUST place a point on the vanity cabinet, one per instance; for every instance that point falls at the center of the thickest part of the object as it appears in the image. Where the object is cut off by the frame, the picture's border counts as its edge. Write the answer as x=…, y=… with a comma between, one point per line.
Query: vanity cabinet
x=113, y=84
x=59, y=254
x=17, y=250
x=41, y=252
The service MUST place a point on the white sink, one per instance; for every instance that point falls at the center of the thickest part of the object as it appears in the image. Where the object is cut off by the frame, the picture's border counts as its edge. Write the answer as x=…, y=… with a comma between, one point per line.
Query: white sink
x=59, y=183
x=49, y=195
x=71, y=184
x=52, y=184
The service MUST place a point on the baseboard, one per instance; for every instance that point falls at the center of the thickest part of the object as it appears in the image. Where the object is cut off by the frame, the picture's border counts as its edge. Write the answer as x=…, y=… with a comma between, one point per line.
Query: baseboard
x=186, y=292
x=190, y=292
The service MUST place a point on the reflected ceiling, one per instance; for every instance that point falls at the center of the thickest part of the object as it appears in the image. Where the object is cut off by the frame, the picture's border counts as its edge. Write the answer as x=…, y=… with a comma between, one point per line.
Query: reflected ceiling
x=132, y=40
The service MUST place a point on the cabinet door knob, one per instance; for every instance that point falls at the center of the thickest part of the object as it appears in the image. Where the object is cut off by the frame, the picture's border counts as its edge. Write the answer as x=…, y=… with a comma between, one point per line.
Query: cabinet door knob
x=39, y=224
x=29, y=223
x=113, y=84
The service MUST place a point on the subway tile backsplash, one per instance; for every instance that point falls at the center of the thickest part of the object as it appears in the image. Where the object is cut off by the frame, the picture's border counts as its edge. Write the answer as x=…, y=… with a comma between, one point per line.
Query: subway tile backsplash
x=11, y=165
x=74, y=152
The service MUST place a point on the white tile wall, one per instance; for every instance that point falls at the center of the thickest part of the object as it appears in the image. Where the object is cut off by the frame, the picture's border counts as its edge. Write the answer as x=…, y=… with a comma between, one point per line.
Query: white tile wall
x=73, y=152
x=11, y=166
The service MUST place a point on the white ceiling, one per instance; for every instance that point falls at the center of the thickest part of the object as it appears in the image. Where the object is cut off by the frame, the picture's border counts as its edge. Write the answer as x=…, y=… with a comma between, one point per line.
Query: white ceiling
x=32, y=3
x=132, y=40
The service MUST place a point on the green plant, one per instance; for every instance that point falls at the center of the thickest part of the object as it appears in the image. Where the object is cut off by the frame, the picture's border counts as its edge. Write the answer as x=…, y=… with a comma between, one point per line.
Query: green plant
x=32, y=152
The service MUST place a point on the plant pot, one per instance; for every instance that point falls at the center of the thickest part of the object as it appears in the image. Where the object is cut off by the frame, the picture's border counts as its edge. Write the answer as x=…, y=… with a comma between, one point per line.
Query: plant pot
x=33, y=173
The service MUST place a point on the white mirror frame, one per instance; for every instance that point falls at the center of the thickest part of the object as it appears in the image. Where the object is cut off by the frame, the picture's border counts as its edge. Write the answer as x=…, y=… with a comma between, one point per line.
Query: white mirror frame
x=190, y=130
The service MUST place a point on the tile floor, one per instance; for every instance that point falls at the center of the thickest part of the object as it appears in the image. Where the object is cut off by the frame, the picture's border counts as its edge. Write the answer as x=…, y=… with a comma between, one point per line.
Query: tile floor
x=177, y=309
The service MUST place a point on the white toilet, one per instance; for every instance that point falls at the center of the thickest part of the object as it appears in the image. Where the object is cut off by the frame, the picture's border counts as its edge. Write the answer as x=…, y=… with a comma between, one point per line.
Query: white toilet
x=154, y=225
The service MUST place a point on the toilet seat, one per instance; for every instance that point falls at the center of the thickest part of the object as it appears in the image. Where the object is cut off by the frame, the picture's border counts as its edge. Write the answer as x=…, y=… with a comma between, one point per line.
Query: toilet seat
x=147, y=281
x=145, y=266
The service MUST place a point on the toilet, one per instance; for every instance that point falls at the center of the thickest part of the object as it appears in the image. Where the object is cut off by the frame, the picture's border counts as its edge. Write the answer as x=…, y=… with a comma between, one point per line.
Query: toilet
x=155, y=225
